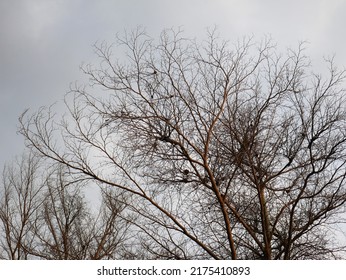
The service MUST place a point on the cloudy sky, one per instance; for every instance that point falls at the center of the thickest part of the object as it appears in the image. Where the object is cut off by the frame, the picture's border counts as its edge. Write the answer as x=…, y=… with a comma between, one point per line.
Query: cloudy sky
x=43, y=42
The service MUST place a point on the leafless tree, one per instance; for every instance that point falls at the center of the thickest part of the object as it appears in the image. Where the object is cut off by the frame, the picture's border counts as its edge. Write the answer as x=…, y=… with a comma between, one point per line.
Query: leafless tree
x=19, y=200
x=45, y=215
x=228, y=151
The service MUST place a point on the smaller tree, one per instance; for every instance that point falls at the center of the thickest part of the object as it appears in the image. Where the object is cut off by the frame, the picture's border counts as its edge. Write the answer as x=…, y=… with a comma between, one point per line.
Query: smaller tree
x=19, y=202
x=45, y=215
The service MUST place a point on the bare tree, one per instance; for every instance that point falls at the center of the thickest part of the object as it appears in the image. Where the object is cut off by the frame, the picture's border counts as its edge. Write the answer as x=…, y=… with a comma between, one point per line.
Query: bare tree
x=67, y=229
x=45, y=215
x=228, y=151
x=19, y=201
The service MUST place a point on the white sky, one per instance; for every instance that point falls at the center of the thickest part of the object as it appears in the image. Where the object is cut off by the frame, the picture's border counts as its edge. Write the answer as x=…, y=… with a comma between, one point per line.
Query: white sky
x=43, y=42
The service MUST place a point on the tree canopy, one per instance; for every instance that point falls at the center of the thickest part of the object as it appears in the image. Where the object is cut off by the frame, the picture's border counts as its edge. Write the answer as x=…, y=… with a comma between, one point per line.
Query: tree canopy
x=225, y=151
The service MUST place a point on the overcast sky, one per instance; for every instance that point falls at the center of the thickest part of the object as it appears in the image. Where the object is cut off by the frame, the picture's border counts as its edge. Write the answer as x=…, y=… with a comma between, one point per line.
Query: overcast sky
x=43, y=42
